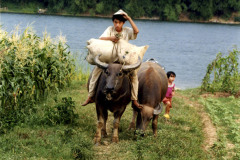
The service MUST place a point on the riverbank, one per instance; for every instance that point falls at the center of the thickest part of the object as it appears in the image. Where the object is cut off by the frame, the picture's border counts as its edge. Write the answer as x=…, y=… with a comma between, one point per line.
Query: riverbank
x=182, y=18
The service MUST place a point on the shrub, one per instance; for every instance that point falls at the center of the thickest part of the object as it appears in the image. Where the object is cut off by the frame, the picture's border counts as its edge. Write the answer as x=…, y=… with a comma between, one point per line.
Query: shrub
x=236, y=19
x=61, y=113
x=225, y=74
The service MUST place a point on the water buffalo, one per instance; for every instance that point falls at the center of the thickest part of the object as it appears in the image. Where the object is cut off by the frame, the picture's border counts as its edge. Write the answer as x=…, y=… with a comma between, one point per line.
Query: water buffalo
x=113, y=93
x=153, y=84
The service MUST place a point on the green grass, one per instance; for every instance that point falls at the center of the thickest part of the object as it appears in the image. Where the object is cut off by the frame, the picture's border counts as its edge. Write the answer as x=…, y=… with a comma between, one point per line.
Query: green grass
x=179, y=138
x=225, y=115
x=34, y=140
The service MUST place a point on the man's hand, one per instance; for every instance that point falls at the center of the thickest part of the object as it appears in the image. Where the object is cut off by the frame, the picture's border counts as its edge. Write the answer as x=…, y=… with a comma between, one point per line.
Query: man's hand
x=126, y=16
x=114, y=39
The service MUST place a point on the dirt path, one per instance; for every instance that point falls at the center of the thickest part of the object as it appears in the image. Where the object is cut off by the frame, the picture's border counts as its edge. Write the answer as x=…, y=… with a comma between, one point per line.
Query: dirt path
x=105, y=147
x=208, y=128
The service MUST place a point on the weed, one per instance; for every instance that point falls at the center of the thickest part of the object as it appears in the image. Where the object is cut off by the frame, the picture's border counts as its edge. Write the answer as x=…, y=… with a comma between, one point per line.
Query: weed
x=224, y=71
x=61, y=113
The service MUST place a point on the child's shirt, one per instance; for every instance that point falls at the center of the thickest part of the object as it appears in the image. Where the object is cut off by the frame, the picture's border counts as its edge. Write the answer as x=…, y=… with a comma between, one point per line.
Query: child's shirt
x=170, y=89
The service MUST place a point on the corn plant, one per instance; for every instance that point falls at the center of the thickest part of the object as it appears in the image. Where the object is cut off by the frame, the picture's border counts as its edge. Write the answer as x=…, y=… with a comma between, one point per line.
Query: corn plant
x=30, y=67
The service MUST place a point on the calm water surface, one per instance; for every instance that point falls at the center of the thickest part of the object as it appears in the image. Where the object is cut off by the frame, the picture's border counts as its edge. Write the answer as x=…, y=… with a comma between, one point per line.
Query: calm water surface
x=186, y=48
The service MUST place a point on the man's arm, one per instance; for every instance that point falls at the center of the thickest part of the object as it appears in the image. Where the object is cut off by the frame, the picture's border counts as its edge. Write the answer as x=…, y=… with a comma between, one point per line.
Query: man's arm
x=134, y=26
x=114, y=39
x=105, y=36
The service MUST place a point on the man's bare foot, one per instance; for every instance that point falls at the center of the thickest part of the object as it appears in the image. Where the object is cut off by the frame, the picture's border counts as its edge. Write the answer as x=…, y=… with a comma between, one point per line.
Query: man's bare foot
x=135, y=102
x=89, y=100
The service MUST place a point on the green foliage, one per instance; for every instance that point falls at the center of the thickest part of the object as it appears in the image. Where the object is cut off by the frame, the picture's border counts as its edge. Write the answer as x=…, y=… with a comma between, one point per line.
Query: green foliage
x=30, y=67
x=224, y=114
x=46, y=142
x=134, y=9
x=201, y=9
x=165, y=9
x=82, y=148
x=225, y=8
x=61, y=113
x=100, y=7
x=225, y=74
x=171, y=12
x=237, y=19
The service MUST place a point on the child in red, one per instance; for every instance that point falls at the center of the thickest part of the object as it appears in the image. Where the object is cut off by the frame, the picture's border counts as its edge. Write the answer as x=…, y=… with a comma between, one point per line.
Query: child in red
x=170, y=93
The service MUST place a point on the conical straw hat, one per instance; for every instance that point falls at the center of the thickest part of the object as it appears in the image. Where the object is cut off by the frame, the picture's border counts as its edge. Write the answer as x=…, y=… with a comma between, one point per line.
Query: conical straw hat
x=120, y=12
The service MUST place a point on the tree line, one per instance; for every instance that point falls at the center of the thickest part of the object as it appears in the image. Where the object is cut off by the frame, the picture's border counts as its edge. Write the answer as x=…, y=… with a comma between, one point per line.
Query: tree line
x=164, y=9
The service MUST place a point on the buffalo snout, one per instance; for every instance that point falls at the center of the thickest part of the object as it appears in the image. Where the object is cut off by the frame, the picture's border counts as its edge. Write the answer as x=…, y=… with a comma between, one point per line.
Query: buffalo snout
x=109, y=89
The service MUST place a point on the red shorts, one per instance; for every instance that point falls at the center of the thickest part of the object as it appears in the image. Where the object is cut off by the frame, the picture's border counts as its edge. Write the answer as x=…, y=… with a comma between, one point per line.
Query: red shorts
x=165, y=100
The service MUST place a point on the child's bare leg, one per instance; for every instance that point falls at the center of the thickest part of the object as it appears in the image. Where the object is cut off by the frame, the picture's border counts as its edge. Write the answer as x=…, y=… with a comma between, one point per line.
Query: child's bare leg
x=167, y=110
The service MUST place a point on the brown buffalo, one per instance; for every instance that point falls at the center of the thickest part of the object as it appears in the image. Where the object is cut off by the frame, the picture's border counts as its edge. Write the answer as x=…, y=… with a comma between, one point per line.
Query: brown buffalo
x=113, y=93
x=152, y=89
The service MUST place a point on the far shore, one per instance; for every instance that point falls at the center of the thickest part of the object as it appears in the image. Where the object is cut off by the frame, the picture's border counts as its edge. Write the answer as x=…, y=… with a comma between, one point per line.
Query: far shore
x=182, y=17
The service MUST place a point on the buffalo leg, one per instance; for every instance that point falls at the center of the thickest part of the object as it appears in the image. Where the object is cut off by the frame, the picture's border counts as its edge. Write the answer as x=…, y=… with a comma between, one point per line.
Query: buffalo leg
x=100, y=123
x=133, y=123
x=154, y=124
x=104, y=130
x=116, y=121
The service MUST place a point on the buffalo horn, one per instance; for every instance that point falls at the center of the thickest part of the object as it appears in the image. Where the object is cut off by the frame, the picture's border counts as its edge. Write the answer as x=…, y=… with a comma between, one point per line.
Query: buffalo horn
x=99, y=63
x=132, y=66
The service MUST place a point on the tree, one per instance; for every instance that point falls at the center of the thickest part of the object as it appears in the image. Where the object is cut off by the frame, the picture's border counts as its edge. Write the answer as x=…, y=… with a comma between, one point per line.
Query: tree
x=225, y=8
x=201, y=9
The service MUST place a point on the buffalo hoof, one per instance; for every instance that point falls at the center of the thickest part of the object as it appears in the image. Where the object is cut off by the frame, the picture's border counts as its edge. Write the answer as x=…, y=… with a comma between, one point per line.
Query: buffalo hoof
x=155, y=133
x=97, y=140
x=104, y=134
x=97, y=144
x=139, y=133
x=115, y=139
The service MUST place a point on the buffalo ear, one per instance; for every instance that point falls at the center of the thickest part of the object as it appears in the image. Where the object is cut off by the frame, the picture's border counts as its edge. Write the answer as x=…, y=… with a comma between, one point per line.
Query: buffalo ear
x=158, y=109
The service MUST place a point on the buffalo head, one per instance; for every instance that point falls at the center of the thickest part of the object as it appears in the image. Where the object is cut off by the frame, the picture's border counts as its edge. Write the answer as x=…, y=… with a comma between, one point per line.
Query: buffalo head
x=147, y=114
x=114, y=74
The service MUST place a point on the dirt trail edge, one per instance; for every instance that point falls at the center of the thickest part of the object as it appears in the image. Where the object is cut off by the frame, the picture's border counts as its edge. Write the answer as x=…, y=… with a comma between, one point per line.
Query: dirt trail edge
x=209, y=129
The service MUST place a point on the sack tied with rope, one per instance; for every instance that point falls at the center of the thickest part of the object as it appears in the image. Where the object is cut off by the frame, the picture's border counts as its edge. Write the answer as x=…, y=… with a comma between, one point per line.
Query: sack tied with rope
x=122, y=51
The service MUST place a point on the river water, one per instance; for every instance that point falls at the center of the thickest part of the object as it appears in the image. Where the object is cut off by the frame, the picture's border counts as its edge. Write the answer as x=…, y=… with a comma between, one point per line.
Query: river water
x=185, y=48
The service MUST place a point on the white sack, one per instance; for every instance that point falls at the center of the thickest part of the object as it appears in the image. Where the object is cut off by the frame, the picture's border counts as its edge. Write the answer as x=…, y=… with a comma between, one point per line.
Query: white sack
x=123, y=51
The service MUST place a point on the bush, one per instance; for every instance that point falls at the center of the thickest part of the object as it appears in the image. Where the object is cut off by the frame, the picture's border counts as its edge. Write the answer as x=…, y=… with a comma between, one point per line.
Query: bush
x=225, y=74
x=236, y=19
x=61, y=113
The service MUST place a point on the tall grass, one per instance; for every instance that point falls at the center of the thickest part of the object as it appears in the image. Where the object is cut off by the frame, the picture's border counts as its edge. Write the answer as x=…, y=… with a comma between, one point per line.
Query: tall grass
x=30, y=67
